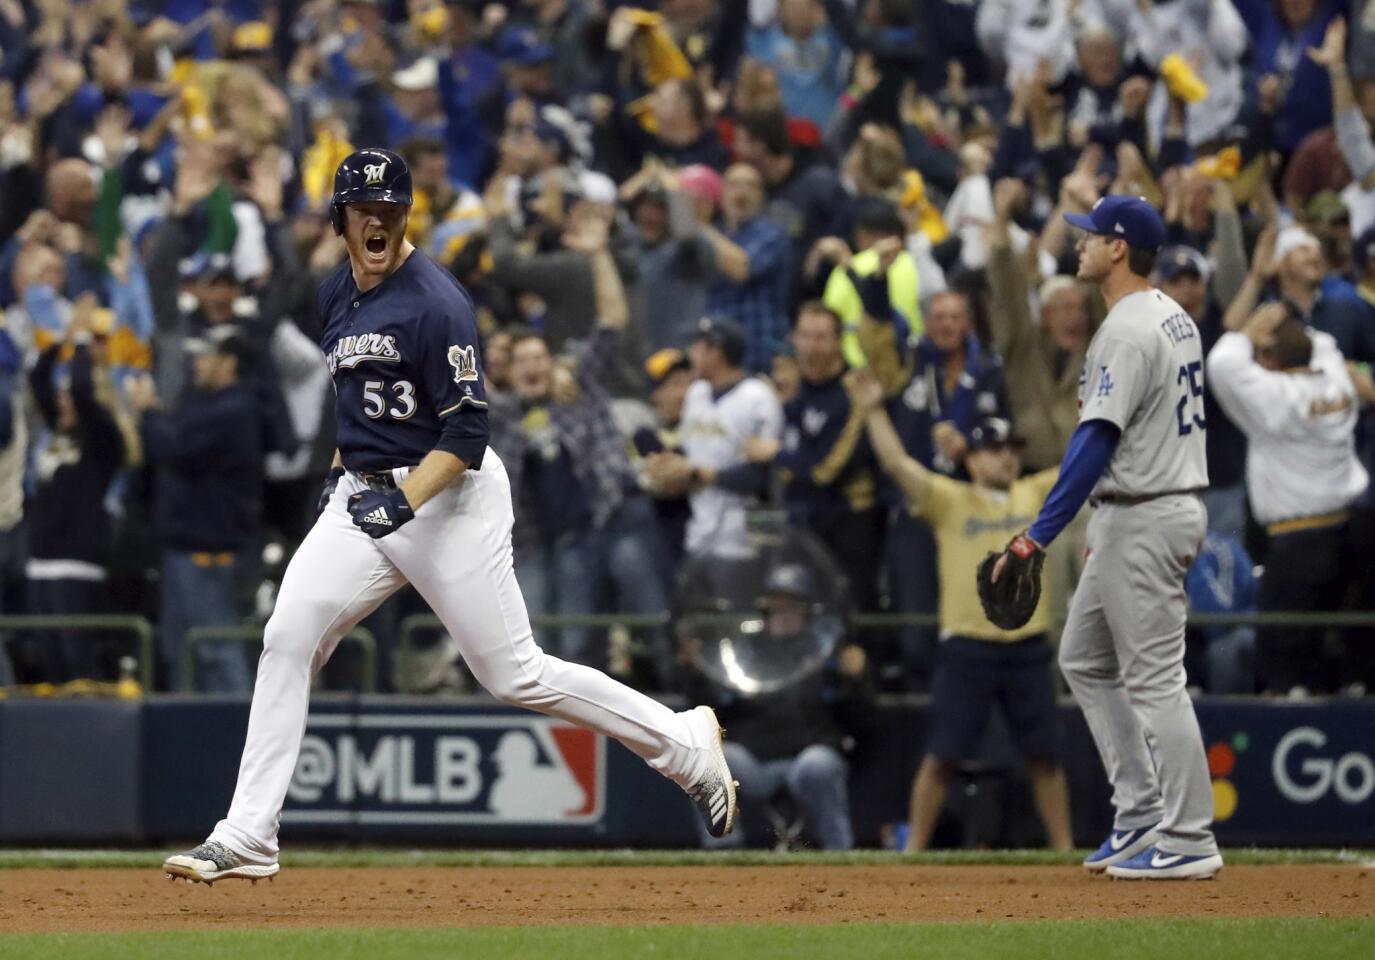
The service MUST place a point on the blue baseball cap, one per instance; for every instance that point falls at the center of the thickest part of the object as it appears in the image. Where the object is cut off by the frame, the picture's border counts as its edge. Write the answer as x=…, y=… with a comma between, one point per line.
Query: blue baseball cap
x=1175, y=262
x=523, y=48
x=1121, y=217
x=547, y=132
x=993, y=432
x=723, y=333
x=203, y=265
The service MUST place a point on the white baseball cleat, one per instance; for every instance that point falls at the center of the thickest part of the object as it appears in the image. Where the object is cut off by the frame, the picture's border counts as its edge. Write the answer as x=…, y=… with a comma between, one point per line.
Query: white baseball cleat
x=714, y=793
x=1156, y=864
x=213, y=861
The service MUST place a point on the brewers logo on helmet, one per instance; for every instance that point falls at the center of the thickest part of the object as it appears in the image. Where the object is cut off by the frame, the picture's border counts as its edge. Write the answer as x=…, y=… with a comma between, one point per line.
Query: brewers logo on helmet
x=369, y=175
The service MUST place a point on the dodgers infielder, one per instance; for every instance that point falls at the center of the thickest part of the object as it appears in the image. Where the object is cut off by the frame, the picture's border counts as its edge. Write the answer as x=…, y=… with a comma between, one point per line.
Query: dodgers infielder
x=416, y=496
x=1139, y=451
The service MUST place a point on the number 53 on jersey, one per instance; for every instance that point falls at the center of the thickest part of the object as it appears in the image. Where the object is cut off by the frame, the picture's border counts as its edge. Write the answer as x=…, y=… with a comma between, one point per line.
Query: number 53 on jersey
x=378, y=394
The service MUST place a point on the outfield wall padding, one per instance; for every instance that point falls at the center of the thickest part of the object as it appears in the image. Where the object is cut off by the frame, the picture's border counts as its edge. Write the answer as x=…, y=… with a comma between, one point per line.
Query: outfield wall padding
x=378, y=769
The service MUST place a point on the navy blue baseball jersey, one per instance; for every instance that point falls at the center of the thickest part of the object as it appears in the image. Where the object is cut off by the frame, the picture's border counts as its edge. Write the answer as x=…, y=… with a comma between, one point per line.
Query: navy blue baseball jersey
x=405, y=360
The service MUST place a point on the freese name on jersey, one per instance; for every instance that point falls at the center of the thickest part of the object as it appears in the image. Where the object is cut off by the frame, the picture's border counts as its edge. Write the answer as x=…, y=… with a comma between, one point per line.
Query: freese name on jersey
x=1144, y=374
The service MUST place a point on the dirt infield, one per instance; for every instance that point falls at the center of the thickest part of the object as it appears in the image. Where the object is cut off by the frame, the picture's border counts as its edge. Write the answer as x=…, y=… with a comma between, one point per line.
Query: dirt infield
x=50, y=901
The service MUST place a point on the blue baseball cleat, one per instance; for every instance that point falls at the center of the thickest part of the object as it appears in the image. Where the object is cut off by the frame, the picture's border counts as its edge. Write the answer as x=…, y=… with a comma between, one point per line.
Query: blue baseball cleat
x=1156, y=864
x=1121, y=845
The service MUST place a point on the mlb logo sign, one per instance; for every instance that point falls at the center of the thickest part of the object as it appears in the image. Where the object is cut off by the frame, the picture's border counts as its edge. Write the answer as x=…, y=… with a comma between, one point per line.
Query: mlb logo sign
x=436, y=769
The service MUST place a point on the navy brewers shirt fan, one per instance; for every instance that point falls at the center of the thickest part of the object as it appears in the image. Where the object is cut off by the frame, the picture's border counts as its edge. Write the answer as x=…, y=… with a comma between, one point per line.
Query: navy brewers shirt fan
x=405, y=359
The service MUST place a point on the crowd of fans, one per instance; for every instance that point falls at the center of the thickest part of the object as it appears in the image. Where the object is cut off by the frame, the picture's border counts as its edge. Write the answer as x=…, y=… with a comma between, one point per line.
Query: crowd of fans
x=682, y=224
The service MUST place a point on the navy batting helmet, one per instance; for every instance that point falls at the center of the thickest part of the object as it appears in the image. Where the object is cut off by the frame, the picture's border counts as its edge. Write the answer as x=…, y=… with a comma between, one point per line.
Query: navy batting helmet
x=369, y=175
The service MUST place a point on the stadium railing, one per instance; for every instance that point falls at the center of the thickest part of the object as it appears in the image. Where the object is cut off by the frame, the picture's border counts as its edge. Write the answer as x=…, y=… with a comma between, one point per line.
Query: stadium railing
x=421, y=622
x=139, y=627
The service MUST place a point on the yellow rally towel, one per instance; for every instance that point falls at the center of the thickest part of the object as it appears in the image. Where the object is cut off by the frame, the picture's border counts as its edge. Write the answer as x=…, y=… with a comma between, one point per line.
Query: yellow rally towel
x=1182, y=80
x=318, y=164
x=431, y=24
x=418, y=226
x=913, y=197
x=253, y=35
x=195, y=99
x=1223, y=165
x=659, y=58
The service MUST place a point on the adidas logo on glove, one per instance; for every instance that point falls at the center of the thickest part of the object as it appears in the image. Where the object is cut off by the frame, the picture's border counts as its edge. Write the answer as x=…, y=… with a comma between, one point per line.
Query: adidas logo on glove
x=378, y=516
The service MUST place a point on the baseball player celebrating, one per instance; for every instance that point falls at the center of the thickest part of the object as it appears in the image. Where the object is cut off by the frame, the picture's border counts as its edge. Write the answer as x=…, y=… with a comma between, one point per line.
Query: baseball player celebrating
x=416, y=496
x=1139, y=452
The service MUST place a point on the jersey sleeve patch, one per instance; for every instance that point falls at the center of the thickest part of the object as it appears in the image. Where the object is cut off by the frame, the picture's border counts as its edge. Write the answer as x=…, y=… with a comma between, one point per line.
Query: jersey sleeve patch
x=1112, y=383
x=464, y=362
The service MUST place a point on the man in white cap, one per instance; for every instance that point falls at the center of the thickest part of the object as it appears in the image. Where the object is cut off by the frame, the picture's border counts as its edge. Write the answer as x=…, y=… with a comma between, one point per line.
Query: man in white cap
x=1288, y=265
x=416, y=109
x=1289, y=391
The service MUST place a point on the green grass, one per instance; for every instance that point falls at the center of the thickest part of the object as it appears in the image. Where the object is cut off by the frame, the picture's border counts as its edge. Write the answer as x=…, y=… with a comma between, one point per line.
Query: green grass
x=365, y=857
x=1135, y=939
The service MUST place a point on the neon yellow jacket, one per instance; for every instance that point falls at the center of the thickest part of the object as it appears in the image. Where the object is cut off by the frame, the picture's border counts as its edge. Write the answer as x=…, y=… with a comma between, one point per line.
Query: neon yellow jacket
x=842, y=297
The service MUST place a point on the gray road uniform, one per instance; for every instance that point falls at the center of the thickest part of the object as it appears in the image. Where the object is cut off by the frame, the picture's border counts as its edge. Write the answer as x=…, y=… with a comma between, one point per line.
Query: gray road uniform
x=1123, y=648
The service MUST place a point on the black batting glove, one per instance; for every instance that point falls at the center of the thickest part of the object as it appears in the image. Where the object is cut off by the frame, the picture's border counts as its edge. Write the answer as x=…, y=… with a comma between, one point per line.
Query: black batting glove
x=378, y=514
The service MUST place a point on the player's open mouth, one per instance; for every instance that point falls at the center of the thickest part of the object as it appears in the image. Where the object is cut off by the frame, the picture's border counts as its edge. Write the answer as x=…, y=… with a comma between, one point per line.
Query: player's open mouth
x=376, y=244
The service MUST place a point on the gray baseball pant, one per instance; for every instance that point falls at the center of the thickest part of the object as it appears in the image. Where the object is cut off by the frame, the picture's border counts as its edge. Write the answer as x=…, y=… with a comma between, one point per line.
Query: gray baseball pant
x=1122, y=654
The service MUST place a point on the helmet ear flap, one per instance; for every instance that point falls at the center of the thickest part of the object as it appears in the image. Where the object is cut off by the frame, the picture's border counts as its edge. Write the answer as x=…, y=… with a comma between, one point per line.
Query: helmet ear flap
x=336, y=217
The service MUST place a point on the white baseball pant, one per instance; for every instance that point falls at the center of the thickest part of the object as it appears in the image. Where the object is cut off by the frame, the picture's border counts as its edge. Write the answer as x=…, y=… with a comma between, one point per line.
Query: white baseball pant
x=457, y=553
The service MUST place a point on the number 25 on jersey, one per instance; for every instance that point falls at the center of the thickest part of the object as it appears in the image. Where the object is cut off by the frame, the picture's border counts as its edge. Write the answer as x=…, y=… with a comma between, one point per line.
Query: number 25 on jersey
x=1189, y=410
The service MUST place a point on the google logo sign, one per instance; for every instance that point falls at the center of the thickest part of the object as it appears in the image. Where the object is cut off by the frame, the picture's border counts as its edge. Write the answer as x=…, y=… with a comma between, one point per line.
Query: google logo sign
x=1222, y=760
